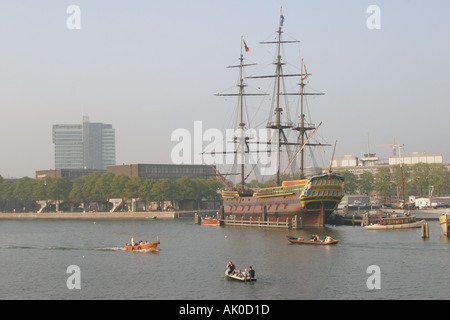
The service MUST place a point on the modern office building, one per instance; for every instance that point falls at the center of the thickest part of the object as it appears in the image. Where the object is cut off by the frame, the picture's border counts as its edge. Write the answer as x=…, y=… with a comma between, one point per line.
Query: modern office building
x=90, y=145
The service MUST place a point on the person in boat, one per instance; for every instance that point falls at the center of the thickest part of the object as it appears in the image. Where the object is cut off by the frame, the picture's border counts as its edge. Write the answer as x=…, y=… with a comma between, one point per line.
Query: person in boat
x=251, y=272
x=328, y=239
x=132, y=241
x=239, y=273
x=232, y=267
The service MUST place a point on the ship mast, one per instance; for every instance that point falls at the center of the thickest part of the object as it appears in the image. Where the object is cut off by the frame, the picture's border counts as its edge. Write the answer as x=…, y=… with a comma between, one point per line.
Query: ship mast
x=242, y=140
x=278, y=125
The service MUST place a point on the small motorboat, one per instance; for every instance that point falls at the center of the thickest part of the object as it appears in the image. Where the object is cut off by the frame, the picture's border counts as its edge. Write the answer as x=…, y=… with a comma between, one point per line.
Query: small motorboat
x=210, y=222
x=238, y=277
x=143, y=247
x=310, y=241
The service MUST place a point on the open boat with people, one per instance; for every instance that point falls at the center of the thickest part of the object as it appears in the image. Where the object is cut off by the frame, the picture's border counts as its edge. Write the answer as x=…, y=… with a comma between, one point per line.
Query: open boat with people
x=238, y=276
x=312, y=241
x=396, y=223
x=142, y=246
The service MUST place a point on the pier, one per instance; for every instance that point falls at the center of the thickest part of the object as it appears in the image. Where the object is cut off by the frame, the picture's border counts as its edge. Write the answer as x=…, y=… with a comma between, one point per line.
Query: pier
x=294, y=223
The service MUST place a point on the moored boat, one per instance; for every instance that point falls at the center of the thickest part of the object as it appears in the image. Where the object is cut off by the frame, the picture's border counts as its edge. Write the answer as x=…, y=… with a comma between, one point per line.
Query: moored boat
x=397, y=223
x=295, y=193
x=210, y=222
x=444, y=221
x=311, y=241
x=142, y=247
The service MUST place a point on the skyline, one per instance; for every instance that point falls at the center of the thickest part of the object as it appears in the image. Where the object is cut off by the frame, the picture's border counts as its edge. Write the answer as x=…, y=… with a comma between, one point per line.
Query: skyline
x=149, y=68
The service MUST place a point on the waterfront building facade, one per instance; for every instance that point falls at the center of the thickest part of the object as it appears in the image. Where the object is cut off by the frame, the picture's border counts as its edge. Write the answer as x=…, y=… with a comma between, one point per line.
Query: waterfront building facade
x=163, y=171
x=89, y=145
x=68, y=174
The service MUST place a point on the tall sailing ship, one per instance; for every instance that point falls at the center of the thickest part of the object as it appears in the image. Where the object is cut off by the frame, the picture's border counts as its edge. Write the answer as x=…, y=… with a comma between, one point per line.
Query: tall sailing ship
x=310, y=198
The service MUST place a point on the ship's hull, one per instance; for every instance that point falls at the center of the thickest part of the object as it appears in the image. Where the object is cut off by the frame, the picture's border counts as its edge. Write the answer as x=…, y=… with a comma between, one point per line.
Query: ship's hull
x=312, y=200
x=444, y=221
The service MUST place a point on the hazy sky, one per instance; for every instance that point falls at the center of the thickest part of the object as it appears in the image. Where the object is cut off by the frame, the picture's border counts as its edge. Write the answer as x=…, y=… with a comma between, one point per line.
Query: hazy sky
x=150, y=67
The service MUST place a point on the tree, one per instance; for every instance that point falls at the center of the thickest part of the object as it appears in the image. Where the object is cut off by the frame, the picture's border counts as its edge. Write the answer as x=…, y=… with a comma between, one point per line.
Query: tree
x=118, y=185
x=103, y=186
x=23, y=192
x=383, y=182
x=162, y=190
x=185, y=189
x=59, y=189
x=145, y=191
x=365, y=182
x=350, y=179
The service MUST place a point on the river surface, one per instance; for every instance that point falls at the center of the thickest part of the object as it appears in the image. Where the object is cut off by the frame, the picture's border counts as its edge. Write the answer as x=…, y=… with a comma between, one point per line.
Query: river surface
x=35, y=256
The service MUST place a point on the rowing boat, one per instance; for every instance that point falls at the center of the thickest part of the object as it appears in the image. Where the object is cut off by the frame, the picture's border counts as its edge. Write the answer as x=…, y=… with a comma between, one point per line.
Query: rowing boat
x=240, y=277
x=303, y=241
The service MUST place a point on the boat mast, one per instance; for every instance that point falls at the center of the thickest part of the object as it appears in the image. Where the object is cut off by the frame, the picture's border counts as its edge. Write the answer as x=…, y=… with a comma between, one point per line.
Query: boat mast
x=302, y=122
x=241, y=86
x=242, y=140
x=278, y=109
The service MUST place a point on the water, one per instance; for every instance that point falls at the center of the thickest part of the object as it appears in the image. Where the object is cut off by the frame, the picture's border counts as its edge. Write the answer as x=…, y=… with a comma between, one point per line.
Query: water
x=35, y=255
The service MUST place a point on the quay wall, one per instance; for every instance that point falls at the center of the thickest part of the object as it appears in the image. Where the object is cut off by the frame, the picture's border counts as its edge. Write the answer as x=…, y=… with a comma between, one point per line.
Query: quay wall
x=106, y=215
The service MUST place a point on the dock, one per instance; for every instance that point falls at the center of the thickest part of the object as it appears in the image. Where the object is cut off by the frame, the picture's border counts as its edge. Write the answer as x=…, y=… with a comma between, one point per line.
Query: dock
x=295, y=223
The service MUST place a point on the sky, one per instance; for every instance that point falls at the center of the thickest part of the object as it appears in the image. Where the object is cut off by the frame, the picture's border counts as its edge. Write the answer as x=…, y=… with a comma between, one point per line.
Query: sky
x=150, y=67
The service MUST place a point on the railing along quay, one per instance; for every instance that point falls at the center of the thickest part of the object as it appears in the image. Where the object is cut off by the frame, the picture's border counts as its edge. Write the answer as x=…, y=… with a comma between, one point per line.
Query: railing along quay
x=295, y=223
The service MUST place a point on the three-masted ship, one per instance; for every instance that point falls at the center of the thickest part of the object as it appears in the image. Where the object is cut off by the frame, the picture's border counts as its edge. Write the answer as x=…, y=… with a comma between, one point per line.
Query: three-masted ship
x=310, y=198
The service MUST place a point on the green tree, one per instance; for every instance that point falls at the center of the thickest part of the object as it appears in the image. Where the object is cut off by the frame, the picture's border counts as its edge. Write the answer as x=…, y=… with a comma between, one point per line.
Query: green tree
x=383, y=182
x=351, y=181
x=132, y=188
x=365, y=182
x=185, y=189
x=118, y=186
x=162, y=190
x=145, y=191
x=23, y=192
x=103, y=186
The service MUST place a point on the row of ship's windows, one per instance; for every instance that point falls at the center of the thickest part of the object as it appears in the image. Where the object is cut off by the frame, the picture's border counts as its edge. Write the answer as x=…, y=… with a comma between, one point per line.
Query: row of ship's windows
x=332, y=182
x=325, y=193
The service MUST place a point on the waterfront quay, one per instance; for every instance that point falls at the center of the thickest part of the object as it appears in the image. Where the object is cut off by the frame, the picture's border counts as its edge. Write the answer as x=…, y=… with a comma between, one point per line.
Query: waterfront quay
x=107, y=215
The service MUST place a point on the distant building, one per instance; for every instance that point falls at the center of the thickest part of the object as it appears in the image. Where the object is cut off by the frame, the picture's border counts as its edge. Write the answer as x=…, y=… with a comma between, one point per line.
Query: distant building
x=345, y=161
x=416, y=157
x=69, y=174
x=369, y=160
x=163, y=171
x=89, y=145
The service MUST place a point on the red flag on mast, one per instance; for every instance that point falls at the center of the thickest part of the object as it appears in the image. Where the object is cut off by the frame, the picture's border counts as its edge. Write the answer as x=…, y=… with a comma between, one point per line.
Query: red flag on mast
x=306, y=72
x=245, y=46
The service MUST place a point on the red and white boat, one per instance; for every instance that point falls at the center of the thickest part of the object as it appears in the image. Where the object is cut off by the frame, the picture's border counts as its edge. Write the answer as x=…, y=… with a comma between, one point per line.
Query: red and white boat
x=210, y=222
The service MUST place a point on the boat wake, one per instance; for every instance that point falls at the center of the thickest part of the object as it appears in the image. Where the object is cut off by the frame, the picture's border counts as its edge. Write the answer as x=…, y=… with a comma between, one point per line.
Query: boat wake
x=61, y=248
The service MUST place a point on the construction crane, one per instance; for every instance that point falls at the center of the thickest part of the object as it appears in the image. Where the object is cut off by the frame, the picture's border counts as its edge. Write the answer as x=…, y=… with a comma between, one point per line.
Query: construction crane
x=394, y=146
